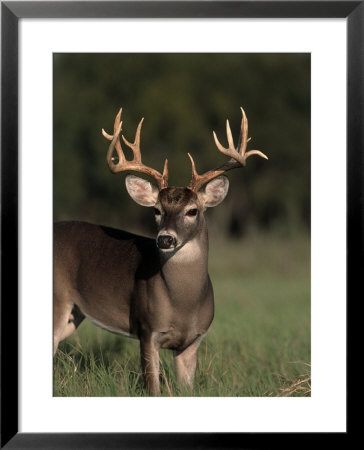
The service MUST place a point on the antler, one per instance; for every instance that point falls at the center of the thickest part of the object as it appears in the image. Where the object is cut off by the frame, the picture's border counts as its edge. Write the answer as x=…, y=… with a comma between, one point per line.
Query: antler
x=136, y=163
x=238, y=156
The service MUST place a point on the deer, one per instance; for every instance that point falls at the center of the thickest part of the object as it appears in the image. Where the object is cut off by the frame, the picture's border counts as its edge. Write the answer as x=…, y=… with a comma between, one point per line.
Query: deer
x=156, y=290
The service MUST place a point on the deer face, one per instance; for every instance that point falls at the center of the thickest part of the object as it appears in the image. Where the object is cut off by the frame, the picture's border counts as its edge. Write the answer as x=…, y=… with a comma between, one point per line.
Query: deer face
x=179, y=211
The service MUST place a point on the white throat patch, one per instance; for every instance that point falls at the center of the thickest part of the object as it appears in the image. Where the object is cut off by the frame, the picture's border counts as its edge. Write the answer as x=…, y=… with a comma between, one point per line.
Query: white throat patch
x=188, y=253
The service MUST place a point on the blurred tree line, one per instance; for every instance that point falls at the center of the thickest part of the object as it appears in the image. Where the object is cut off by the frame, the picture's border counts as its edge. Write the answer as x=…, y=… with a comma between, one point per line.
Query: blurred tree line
x=183, y=98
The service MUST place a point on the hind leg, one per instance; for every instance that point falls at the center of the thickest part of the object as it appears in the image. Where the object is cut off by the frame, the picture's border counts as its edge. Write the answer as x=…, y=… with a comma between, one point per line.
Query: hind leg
x=61, y=313
x=66, y=318
x=74, y=320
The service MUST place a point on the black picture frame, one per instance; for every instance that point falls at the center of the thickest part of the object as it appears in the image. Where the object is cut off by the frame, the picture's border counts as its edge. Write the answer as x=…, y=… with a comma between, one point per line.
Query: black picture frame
x=11, y=13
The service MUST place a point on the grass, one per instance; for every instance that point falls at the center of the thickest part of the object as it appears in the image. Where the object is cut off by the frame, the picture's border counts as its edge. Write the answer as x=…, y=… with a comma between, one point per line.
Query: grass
x=258, y=344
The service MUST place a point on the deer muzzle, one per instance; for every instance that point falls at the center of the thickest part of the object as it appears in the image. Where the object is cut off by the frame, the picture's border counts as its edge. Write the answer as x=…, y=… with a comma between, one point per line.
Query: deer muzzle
x=166, y=241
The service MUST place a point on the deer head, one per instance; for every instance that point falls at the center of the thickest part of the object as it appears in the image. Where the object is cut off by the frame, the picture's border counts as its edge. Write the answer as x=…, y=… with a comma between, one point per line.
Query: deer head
x=178, y=210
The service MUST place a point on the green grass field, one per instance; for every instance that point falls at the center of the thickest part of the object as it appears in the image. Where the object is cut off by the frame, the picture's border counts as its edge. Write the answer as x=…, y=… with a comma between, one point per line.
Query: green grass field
x=257, y=345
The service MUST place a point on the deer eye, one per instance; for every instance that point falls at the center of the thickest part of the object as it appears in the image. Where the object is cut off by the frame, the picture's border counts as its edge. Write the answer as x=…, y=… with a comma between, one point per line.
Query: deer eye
x=157, y=212
x=191, y=212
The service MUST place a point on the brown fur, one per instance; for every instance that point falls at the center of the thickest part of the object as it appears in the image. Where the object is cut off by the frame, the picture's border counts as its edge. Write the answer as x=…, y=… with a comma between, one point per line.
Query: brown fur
x=176, y=197
x=124, y=283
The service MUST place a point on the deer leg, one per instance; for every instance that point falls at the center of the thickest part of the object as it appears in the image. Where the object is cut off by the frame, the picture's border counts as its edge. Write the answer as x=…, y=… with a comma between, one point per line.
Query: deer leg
x=74, y=320
x=150, y=364
x=61, y=314
x=185, y=363
x=66, y=318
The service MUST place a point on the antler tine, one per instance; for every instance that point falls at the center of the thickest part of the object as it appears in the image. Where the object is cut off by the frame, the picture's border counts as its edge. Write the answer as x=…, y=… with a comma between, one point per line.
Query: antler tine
x=238, y=156
x=115, y=143
x=116, y=126
x=136, y=163
x=243, y=138
x=135, y=146
x=165, y=172
x=109, y=158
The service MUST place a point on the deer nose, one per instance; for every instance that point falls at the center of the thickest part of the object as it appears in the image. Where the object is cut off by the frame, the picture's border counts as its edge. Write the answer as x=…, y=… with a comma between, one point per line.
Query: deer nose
x=165, y=241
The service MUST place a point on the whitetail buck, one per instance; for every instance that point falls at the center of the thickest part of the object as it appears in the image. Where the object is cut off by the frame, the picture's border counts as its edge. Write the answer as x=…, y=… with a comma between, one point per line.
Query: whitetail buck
x=155, y=290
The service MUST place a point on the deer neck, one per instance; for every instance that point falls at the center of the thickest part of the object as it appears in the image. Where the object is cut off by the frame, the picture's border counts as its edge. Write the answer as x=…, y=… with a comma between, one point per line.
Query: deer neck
x=187, y=268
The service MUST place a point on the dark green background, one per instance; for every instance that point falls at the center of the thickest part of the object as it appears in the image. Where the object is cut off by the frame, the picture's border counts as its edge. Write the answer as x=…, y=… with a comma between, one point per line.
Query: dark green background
x=183, y=98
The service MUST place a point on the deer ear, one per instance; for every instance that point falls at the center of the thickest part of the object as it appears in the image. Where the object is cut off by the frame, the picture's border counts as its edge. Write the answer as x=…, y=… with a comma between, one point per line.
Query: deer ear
x=141, y=191
x=215, y=191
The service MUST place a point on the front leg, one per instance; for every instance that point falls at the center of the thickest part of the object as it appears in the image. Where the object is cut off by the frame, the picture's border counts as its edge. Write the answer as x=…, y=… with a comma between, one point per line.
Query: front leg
x=185, y=363
x=150, y=364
